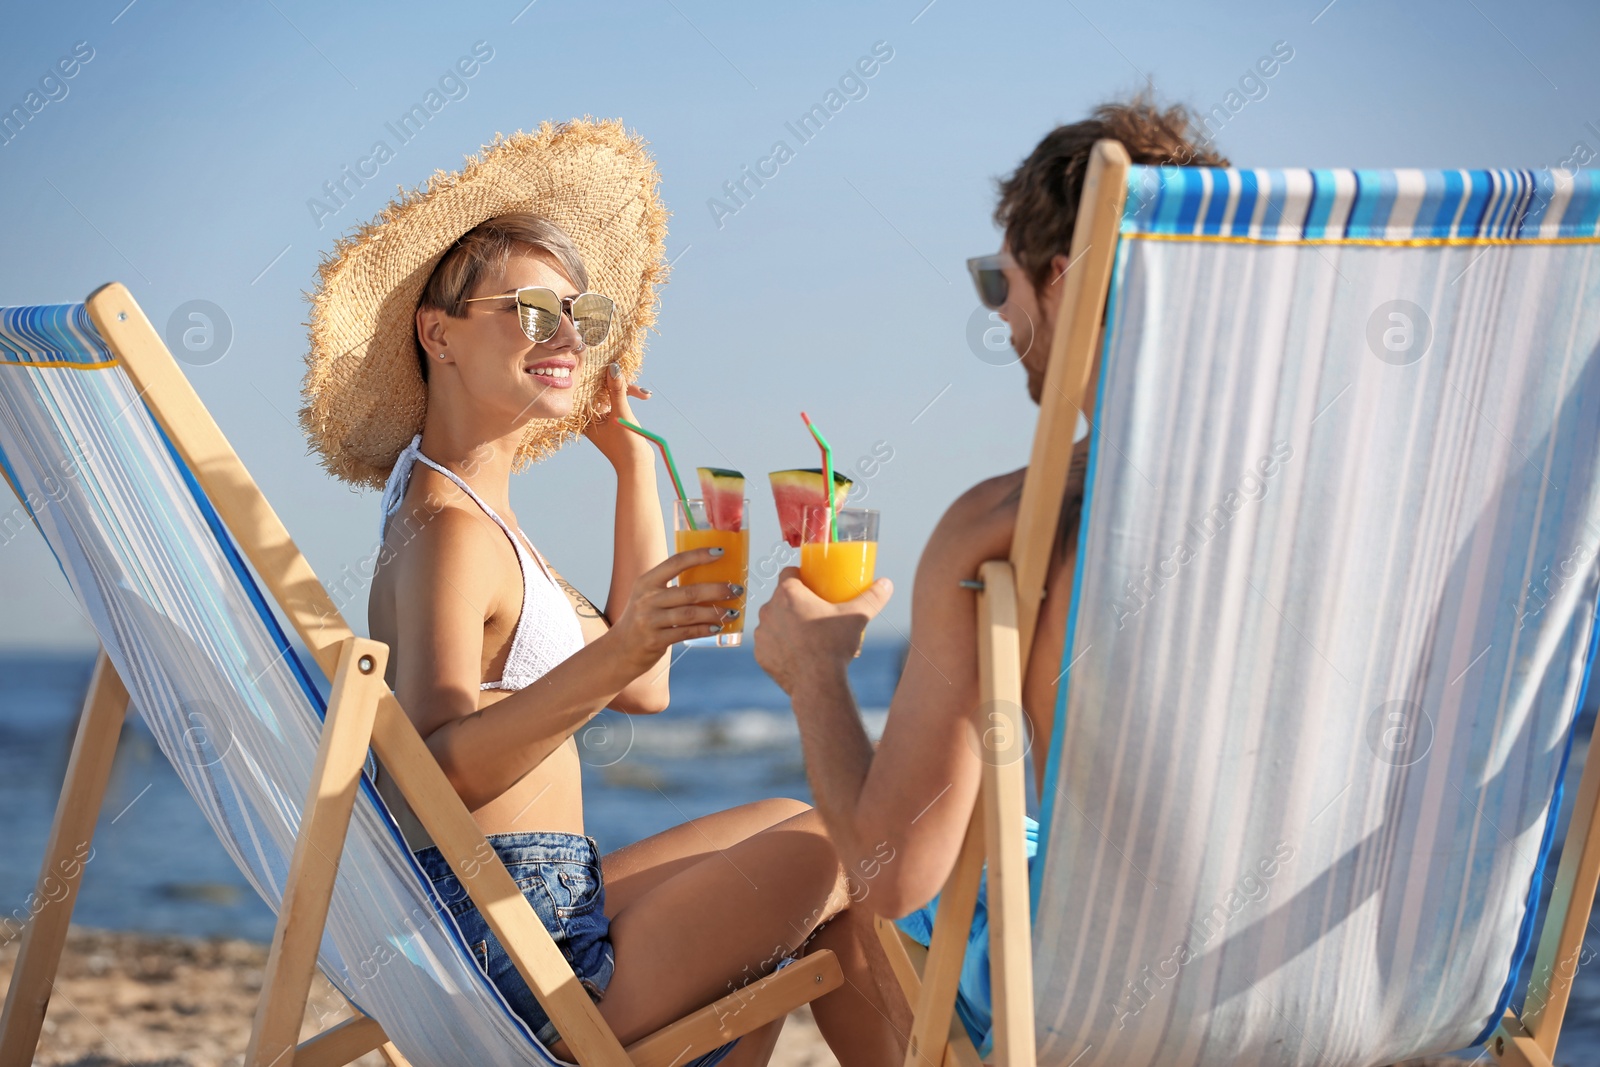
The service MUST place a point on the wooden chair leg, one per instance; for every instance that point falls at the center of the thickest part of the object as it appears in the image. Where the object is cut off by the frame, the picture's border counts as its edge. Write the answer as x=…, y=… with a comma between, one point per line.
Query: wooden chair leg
x=392, y=1055
x=339, y=1045
x=69, y=849
x=1003, y=803
x=906, y=957
x=908, y=960
x=347, y=1041
x=1513, y=1045
x=995, y=835
x=358, y=685
x=936, y=1004
x=1566, y=924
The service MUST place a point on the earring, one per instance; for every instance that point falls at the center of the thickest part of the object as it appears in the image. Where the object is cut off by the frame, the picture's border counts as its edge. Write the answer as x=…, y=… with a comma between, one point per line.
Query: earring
x=441, y=355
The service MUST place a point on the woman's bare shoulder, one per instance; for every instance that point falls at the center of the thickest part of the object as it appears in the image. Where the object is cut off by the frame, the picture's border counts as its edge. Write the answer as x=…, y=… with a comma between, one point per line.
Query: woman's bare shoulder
x=453, y=549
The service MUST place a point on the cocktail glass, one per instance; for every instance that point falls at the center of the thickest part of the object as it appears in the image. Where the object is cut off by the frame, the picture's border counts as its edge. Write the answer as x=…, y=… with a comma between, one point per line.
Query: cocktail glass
x=838, y=566
x=733, y=567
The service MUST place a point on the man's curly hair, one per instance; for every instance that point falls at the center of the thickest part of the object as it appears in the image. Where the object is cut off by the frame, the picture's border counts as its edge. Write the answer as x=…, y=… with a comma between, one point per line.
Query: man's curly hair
x=1038, y=205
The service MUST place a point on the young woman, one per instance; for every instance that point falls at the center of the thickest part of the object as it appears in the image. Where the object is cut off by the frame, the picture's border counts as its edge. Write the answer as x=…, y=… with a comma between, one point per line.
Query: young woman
x=499, y=661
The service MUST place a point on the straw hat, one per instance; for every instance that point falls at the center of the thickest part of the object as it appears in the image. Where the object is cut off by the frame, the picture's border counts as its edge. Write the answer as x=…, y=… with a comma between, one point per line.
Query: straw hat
x=364, y=397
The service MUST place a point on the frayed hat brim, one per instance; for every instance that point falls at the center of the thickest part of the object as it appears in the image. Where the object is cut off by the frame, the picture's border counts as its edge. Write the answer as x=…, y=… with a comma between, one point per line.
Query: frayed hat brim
x=363, y=397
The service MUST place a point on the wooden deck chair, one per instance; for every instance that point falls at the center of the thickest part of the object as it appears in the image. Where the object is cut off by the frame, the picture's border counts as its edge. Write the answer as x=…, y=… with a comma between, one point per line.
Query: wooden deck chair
x=178, y=559
x=1333, y=617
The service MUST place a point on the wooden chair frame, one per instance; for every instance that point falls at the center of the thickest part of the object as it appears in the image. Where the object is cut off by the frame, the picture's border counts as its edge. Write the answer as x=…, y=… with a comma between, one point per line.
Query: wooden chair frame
x=1008, y=611
x=362, y=712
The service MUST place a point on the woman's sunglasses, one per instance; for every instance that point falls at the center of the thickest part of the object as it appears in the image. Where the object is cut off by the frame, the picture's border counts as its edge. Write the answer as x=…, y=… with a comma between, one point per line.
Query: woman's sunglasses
x=988, y=275
x=539, y=310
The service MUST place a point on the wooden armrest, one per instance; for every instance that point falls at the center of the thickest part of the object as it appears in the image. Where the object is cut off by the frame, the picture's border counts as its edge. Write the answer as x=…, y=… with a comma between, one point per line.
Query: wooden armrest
x=740, y=1012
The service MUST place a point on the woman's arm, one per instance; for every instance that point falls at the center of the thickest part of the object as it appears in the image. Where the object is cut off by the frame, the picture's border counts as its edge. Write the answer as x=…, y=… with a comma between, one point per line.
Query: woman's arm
x=639, y=537
x=444, y=596
x=641, y=543
x=644, y=695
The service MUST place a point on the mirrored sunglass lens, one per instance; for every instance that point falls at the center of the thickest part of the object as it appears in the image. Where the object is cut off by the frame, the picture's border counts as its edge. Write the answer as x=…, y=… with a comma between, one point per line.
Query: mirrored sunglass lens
x=540, y=313
x=591, y=314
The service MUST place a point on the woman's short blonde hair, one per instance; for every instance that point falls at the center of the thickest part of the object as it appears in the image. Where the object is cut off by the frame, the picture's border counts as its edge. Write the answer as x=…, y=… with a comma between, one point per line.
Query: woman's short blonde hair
x=487, y=246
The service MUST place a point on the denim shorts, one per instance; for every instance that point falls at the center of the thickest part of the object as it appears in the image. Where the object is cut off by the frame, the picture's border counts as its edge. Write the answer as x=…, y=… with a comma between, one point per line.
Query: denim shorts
x=559, y=874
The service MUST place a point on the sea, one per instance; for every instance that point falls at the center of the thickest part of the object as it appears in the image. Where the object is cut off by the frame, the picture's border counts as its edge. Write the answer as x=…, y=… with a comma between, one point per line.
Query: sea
x=728, y=738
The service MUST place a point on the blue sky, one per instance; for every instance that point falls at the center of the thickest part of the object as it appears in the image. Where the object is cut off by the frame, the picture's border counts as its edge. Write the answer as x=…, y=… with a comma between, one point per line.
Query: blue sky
x=184, y=156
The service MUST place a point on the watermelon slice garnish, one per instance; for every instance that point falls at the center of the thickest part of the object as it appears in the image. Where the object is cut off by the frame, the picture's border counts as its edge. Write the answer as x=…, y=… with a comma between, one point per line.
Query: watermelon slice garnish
x=794, y=490
x=723, y=492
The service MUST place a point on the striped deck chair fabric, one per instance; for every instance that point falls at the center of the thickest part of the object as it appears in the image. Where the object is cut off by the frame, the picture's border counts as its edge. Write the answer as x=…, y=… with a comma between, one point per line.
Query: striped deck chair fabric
x=1334, y=612
x=210, y=669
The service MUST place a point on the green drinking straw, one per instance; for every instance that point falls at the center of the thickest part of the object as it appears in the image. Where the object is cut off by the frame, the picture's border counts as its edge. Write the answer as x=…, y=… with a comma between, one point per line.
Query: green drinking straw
x=827, y=475
x=672, y=468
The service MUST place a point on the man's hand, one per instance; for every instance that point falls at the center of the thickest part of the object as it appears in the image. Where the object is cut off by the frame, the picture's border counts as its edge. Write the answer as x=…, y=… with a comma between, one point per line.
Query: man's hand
x=800, y=635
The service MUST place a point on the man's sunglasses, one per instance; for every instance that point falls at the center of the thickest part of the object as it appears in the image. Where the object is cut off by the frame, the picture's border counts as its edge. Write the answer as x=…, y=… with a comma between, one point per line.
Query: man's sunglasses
x=539, y=310
x=988, y=275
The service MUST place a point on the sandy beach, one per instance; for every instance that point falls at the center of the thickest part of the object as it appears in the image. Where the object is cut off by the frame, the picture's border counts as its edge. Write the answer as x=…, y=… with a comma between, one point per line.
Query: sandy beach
x=133, y=1000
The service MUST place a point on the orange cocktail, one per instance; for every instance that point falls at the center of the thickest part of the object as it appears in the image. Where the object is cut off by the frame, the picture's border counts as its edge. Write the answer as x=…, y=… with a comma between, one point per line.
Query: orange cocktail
x=838, y=551
x=838, y=571
x=733, y=567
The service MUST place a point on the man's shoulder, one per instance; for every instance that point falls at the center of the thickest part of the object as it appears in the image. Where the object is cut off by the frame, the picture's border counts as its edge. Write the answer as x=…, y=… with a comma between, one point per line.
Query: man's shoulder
x=978, y=524
x=992, y=499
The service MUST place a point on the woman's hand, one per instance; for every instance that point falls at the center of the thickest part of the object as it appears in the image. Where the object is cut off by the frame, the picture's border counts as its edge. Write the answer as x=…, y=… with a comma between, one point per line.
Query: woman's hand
x=801, y=636
x=619, y=445
x=658, y=615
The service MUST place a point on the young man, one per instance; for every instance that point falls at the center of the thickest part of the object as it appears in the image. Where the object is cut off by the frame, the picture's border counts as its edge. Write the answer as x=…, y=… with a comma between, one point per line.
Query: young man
x=897, y=814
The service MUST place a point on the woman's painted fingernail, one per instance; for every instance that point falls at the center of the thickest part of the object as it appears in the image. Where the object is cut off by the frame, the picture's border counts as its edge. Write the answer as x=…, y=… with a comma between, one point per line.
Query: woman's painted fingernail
x=616, y=370
x=715, y=627
x=732, y=613
x=647, y=392
x=716, y=551
x=737, y=590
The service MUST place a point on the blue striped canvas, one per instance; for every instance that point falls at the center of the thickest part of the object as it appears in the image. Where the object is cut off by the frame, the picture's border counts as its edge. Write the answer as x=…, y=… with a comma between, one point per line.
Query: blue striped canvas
x=229, y=701
x=1333, y=612
x=1346, y=206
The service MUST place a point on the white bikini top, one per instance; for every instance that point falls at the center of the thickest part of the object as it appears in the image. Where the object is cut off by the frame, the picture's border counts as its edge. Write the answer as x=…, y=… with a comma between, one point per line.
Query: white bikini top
x=547, y=631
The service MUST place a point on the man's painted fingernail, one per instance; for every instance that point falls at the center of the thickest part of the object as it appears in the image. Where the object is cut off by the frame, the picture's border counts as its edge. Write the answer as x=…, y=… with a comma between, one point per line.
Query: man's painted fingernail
x=616, y=370
x=738, y=590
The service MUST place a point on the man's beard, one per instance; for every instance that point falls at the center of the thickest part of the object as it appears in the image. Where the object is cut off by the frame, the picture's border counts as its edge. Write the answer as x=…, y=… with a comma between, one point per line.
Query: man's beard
x=1033, y=356
x=1035, y=385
